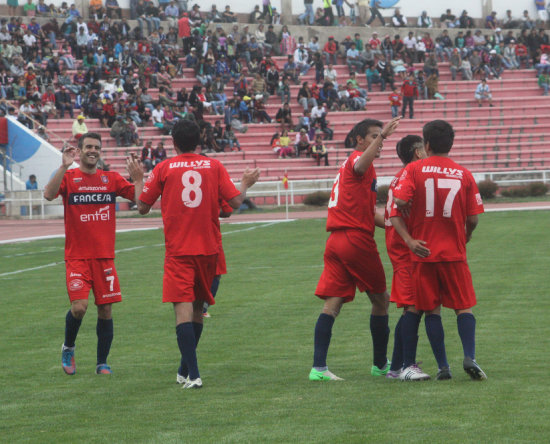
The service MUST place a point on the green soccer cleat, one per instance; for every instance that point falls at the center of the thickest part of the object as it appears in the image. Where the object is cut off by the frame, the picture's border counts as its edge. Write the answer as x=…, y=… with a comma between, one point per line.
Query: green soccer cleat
x=375, y=371
x=316, y=375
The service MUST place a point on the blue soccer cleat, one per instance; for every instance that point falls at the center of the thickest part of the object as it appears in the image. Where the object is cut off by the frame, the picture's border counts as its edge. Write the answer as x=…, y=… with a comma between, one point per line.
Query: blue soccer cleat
x=67, y=360
x=103, y=369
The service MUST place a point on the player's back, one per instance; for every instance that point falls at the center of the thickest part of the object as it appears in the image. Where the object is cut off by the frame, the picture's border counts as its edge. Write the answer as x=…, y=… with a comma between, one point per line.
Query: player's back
x=443, y=193
x=191, y=186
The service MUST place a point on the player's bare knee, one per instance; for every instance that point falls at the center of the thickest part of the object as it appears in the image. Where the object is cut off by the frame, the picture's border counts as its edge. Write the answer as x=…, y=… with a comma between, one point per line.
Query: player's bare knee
x=104, y=311
x=462, y=311
x=78, y=308
x=332, y=306
x=380, y=303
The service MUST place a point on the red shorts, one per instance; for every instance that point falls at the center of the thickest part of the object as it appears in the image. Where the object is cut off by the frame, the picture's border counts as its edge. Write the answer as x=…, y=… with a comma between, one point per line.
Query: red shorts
x=443, y=283
x=351, y=260
x=188, y=278
x=98, y=275
x=221, y=267
x=402, y=291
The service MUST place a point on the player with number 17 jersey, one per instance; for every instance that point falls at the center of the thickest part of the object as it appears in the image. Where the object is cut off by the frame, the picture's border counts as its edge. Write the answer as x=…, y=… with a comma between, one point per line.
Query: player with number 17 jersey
x=445, y=193
x=190, y=185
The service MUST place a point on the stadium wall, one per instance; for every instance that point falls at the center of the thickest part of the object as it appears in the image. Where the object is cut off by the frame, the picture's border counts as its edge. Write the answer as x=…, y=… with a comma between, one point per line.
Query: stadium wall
x=434, y=8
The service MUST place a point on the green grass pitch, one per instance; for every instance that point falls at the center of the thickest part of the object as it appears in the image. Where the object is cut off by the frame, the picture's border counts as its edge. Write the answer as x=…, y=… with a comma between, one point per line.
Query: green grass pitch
x=256, y=350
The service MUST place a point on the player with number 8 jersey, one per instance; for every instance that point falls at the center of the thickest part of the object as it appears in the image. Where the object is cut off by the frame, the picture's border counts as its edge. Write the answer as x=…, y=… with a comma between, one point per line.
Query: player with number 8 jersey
x=191, y=186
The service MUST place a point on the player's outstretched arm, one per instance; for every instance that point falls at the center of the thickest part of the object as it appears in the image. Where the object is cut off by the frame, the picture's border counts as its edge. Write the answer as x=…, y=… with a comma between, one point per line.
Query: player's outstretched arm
x=471, y=224
x=52, y=187
x=250, y=177
x=135, y=169
x=366, y=159
x=416, y=246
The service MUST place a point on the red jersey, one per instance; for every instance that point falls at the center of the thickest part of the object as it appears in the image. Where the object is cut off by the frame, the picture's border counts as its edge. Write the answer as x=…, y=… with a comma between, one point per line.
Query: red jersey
x=191, y=187
x=89, y=201
x=395, y=99
x=396, y=246
x=443, y=194
x=353, y=198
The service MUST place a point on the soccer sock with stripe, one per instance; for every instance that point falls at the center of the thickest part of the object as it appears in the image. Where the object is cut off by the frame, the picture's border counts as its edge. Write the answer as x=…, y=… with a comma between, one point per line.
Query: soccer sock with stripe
x=409, y=333
x=72, y=325
x=215, y=286
x=380, y=332
x=397, y=356
x=436, y=335
x=104, y=330
x=466, y=323
x=188, y=348
x=323, y=333
x=197, y=327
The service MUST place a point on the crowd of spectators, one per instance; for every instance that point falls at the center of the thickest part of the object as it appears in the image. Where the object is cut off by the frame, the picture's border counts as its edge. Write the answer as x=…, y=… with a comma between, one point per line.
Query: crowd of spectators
x=106, y=69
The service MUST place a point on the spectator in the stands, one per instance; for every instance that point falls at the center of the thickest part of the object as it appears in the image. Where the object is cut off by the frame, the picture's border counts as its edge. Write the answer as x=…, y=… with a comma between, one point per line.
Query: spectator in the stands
x=319, y=150
x=214, y=16
x=305, y=97
x=491, y=21
x=302, y=143
x=398, y=20
x=228, y=15
x=79, y=127
x=495, y=64
x=64, y=102
x=147, y=155
x=159, y=154
x=375, y=12
x=352, y=59
x=544, y=82
x=330, y=75
x=424, y=21
x=466, y=21
x=113, y=9
x=284, y=116
x=330, y=50
x=483, y=92
x=374, y=76
x=256, y=15
x=526, y=21
x=448, y=19
x=31, y=184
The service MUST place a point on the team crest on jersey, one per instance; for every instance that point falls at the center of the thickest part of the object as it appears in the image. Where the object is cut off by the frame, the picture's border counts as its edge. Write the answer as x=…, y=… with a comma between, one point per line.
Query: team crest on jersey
x=77, y=179
x=104, y=179
x=76, y=284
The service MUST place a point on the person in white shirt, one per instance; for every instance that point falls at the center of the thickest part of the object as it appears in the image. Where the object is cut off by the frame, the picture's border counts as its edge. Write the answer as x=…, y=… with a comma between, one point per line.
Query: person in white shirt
x=352, y=59
x=29, y=39
x=410, y=47
x=483, y=92
x=301, y=59
x=331, y=75
x=158, y=116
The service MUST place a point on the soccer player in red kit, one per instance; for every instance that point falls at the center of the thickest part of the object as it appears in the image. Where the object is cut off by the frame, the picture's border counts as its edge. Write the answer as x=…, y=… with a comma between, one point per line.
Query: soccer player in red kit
x=351, y=259
x=444, y=206
x=89, y=198
x=409, y=149
x=191, y=187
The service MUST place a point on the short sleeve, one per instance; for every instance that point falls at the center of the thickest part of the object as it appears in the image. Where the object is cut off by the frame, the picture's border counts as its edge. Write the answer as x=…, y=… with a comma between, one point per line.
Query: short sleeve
x=125, y=188
x=474, y=200
x=63, y=187
x=153, y=187
x=406, y=187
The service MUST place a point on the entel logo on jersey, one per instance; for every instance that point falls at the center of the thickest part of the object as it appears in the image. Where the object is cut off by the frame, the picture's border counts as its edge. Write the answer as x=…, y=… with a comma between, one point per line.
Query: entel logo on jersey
x=103, y=214
x=447, y=171
x=197, y=164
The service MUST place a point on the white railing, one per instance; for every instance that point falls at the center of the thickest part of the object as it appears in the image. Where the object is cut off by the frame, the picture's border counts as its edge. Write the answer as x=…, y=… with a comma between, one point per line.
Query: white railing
x=29, y=203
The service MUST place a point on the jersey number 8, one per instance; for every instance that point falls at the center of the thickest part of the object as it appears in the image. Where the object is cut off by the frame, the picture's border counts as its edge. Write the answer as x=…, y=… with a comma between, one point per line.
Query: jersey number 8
x=192, y=193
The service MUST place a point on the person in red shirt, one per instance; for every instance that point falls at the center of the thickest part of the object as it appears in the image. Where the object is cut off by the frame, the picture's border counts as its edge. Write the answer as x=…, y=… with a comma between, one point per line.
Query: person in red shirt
x=191, y=186
x=409, y=91
x=395, y=102
x=330, y=51
x=409, y=149
x=89, y=198
x=184, y=32
x=443, y=203
x=351, y=259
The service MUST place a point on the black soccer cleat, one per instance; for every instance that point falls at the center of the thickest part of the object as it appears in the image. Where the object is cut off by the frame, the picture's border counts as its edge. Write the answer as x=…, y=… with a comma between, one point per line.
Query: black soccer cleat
x=443, y=374
x=473, y=369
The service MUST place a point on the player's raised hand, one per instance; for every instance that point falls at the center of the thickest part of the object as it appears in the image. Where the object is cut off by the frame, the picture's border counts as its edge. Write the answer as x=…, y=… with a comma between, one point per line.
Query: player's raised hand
x=69, y=155
x=418, y=247
x=250, y=177
x=134, y=168
x=390, y=127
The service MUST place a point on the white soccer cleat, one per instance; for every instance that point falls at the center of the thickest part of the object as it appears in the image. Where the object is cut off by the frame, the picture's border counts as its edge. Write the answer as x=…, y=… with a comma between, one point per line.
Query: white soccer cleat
x=413, y=373
x=181, y=379
x=193, y=384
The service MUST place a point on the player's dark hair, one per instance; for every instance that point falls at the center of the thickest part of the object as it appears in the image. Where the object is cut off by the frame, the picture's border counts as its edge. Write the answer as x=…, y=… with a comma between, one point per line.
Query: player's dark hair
x=406, y=147
x=360, y=129
x=440, y=135
x=89, y=136
x=186, y=135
